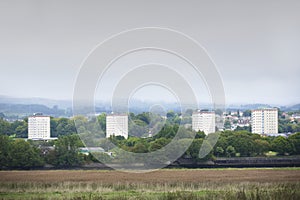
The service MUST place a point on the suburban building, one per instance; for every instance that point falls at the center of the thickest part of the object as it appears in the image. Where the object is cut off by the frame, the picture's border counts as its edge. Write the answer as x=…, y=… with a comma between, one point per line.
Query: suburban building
x=204, y=121
x=39, y=127
x=265, y=121
x=117, y=125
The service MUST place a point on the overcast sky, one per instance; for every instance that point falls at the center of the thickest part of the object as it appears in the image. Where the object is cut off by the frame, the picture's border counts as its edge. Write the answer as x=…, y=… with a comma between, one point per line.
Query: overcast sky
x=254, y=44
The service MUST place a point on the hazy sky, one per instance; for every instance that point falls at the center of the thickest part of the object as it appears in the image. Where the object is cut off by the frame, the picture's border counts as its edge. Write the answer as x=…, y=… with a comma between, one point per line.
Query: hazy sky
x=255, y=44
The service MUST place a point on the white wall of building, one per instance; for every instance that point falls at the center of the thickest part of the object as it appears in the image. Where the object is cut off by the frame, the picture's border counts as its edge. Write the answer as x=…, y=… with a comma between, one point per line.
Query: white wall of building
x=265, y=121
x=117, y=125
x=204, y=121
x=39, y=127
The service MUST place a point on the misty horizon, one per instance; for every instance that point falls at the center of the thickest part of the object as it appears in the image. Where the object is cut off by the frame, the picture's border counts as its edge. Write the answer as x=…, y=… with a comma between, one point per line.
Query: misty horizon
x=44, y=46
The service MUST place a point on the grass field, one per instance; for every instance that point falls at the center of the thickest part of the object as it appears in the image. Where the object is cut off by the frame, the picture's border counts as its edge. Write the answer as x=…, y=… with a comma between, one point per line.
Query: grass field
x=278, y=183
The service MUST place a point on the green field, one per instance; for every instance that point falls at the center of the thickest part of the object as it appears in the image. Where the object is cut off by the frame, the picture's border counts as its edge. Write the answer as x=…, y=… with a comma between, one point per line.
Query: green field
x=187, y=184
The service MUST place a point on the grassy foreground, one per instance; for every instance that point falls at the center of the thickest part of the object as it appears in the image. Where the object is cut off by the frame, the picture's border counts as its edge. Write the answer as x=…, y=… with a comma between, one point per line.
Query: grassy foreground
x=163, y=184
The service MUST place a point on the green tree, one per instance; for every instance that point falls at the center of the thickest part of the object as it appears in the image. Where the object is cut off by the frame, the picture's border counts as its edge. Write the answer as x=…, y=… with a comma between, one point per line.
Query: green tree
x=140, y=147
x=158, y=144
x=53, y=125
x=282, y=146
x=138, y=128
x=219, y=151
x=24, y=156
x=171, y=114
x=167, y=131
x=2, y=115
x=20, y=128
x=230, y=151
x=106, y=144
x=261, y=146
x=200, y=134
x=65, y=127
x=66, y=153
x=98, y=157
x=189, y=112
x=242, y=142
x=247, y=113
x=102, y=121
x=4, y=151
x=193, y=150
x=5, y=127
x=294, y=139
x=145, y=117
x=227, y=124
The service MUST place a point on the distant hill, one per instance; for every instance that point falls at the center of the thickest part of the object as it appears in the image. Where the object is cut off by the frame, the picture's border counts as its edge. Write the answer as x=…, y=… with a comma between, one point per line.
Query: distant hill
x=28, y=106
x=25, y=110
x=293, y=108
x=41, y=101
x=236, y=107
x=255, y=106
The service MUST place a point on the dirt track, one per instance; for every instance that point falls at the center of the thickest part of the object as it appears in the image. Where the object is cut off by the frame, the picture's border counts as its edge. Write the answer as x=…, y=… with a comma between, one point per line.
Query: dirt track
x=162, y=176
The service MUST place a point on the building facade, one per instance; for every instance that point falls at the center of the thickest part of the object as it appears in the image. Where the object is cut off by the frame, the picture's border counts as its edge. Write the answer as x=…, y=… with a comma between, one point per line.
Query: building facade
x=204, y=121
x=39, y=127
x=265, y=121
x=117, y=125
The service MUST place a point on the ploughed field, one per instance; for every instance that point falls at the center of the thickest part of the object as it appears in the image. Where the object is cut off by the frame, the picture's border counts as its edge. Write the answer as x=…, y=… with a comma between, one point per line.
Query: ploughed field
x=277, y=183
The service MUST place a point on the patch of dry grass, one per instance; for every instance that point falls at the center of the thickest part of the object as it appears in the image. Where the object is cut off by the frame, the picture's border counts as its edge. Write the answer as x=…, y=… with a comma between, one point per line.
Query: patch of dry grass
x=162, y=184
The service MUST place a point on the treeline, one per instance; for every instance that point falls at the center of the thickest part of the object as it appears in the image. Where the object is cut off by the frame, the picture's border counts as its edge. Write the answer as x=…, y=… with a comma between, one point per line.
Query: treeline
x=19, y=128
x=229, y=144
x=22, y=154
x=19, y=154
x=65, y=152
x=26, y=109
x=139, y=124
x=288, y=126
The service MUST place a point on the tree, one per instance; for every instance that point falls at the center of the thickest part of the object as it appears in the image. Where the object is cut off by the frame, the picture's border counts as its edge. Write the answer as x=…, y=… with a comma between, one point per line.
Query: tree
x=247, y=113
x=53, y=125
x=66, y=153
x=193, y=150
x=189, y=112
x=24, y=156
x=230, y=151
x=138, y=128
x=200, y=134
x=140, y=147
x=244, y=128
x=167, y=131
x=227, y=124
x=102, y=121
x=282, y=146
x=2, y=115
x=65, y=127
x=106, y=144
x=99, y=157
x=261, y=146
x=144, y=117
x=4, y=151
x=295, y=141
x=158, y=144
x=170, y=115
x=5, y=127
x=242, y=142
x=219, y=151
x=182, y=132
x=20, y=128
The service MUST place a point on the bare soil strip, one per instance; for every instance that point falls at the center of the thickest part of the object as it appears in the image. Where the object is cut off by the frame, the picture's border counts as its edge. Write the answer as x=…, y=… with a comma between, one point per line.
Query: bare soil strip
x=161, y=176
